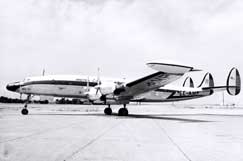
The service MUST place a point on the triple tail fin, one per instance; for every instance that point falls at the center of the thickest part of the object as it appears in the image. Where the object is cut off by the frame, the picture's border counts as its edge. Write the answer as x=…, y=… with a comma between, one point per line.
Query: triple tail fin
x=188, y=82
x=207, y=81
x=233, y=83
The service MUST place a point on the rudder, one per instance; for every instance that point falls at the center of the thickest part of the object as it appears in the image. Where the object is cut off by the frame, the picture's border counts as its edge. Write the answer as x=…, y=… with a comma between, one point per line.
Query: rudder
x=207, y=81
x=188, y=82
x=233, y=82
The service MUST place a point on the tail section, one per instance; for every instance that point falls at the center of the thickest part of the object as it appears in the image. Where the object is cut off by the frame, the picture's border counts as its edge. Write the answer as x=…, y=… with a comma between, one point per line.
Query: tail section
x=188, y=82
x=207, y=81
x=233, y=82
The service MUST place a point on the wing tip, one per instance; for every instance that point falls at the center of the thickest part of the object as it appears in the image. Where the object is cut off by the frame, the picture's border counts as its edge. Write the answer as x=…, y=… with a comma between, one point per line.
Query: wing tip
x=174, y=68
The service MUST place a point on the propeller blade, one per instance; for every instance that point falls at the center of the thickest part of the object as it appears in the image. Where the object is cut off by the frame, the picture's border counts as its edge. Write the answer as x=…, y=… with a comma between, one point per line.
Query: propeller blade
x=98, y=77
x=87, y=86
x=97, y=90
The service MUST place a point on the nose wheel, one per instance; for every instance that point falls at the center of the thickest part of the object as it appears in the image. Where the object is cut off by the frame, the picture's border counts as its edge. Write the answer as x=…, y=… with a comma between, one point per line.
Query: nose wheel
x=25, y=111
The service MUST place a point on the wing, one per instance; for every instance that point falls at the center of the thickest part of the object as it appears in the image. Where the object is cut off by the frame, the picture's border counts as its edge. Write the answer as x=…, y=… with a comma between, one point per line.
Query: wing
x=166, y=74
x=150, y=82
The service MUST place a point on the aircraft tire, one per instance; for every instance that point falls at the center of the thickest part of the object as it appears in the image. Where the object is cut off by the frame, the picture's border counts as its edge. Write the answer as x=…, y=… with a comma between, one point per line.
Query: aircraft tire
x=24, y=111
x=123, y=112
x=108, y=111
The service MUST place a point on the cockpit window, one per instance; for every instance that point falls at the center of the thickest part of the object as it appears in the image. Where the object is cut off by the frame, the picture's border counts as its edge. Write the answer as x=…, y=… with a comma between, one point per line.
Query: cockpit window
x=14, y=83
x=81, y=80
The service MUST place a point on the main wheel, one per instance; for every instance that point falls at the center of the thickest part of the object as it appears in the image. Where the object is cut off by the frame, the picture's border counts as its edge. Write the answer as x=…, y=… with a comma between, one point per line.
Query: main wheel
x=108, y=111
x=123, y=112
x=24, y=111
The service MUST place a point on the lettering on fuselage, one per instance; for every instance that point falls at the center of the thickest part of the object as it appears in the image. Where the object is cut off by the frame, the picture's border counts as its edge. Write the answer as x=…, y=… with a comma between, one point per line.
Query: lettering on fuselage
x=186, y=93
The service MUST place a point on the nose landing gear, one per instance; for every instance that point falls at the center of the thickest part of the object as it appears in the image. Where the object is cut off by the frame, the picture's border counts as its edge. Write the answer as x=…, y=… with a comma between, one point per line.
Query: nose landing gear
x=25, y=111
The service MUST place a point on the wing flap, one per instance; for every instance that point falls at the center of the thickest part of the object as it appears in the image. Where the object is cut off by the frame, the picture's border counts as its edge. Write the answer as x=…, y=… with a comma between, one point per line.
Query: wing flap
x=150, y=82
x=166, y=73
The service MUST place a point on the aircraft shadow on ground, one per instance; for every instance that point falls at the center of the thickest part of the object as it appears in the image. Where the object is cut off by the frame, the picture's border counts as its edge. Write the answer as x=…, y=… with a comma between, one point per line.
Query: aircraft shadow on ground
x=172, y=117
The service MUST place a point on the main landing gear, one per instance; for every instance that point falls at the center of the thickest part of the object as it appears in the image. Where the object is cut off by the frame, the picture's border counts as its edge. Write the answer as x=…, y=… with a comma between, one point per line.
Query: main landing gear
x=25, y=111
x=122, y=111
x=108, y=110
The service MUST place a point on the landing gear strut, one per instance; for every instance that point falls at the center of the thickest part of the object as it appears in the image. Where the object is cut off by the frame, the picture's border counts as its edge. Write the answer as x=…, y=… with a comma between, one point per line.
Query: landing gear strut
x=108, y=110
x=25, y=111
x=123, y=111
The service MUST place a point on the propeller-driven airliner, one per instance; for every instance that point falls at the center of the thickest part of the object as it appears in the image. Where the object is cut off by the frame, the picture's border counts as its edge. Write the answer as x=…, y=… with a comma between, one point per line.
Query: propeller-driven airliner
x=151, y=88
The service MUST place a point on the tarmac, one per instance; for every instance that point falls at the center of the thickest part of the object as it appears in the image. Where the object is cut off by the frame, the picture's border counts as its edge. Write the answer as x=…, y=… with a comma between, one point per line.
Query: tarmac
x=155, y=132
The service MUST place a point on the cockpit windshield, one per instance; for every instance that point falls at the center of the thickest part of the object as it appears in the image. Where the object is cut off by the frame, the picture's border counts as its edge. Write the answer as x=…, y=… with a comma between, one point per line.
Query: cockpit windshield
x=15, y=83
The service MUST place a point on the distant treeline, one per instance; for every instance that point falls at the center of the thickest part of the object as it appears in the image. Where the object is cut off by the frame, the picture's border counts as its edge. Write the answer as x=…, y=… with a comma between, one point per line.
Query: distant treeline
x=10, y=100
x=69, y=101
x=58, y=101
x=16, y=100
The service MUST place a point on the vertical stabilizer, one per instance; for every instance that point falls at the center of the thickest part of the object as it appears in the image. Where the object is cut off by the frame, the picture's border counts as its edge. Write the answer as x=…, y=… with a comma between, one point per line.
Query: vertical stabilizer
x=188, y=82
x=233, y=82
x=207, y=81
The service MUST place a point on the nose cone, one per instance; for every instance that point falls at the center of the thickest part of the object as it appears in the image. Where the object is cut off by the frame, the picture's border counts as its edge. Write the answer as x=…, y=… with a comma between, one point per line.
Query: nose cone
x=13, y=87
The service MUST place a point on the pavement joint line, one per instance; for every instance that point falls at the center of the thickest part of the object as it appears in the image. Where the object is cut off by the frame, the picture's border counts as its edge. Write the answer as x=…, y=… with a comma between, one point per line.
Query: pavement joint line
x=38, y=133
x=172, y=141
x=92, y=141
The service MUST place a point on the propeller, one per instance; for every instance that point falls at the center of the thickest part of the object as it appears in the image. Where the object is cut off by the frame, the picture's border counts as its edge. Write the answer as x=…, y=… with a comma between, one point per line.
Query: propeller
x=43, y=72
x=87, y=87
x=98, y=87
x=98, y=82
x=94, y=93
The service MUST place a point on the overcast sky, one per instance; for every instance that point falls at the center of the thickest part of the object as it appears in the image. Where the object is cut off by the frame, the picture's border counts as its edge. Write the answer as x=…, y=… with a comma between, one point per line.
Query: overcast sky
x=119, y=36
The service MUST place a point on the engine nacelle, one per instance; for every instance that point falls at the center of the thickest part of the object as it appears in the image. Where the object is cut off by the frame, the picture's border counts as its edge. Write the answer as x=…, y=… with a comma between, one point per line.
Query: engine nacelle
x=93, y=94
x=106, y=88
x=100, y=92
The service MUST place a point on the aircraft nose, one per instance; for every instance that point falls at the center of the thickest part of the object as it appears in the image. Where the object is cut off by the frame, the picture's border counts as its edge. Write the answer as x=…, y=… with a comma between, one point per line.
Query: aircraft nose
x=12, y=87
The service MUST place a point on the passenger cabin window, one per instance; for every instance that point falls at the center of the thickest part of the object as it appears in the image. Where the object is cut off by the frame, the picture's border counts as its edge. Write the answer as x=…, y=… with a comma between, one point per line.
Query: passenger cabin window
x=26, y=79
x=81, y=80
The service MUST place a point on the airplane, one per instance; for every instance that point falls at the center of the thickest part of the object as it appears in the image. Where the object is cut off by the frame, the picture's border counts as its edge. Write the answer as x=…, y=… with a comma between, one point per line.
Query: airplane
x=151, y=88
